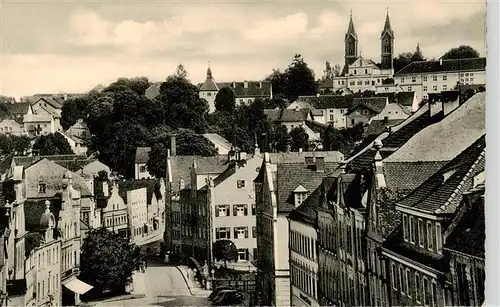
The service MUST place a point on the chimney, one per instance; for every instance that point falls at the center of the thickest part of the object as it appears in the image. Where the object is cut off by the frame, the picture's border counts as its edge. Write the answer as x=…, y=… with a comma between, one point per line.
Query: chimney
x=105, y=188
x=65, y=97
x=320, y=164
x=317, y=95
x=435, y=104
x=173, y=146
x=441, y=62
x=245, y=84
x=379, y=168
x=169, y=168
x=300, y=150
x=451, y=102
x=270, y=90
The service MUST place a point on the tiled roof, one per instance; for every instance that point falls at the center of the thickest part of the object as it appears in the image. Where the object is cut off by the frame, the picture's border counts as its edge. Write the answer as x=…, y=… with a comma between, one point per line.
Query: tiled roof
x=442, y=141
x=288, y=115
x=376, y=104
x=454, y=65
x=20, y=108
x=71, y=162
x=51, y=174
x=438, y=193
x=363, y=159
x=152, y=187
x=469, y=234
x=209, y=85
x=273, y=114
x=306, y=212
x=142, y=155
x=290, y=175
x=404, y=98
x=50, y=100
x=327, y=83
x=299, y=157
x=329, y=101
x=377, y=126
x=224, y=175
x=253, y=89
x=409, y=175
x=181, y=167
x=216, y=138
x=302, y=104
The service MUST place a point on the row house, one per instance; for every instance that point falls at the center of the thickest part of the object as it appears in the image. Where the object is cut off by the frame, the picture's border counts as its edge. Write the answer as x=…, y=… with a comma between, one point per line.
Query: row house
x=361, y=74
x=303, y=242
x=186, y=211
x=364, y=109
x=327, y=109
x=283, y=183
x=232, y=206
x=425, y=77
x=400, y=176
x=408, y=167
x=416, y=265
x=114, y=212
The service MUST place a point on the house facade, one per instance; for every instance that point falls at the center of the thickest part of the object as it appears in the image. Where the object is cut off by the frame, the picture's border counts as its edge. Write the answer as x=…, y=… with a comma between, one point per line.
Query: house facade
x=426, y=77
x=333, y=108
x=141, y=160
x=303, y=243
x=232, y=202
x=115, y=215
x=280, y=187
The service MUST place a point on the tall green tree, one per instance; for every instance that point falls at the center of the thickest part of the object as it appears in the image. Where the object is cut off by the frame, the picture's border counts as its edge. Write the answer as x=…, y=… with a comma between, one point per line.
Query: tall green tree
x=73, y=110
x=300, y=139
x=107, y=261
x=225, y=250
x=281, y=138
x=300, y=79
x=225, y=100
x=404, y=59
x=181, y=72
x=461, y=52
x=278, y=81
x=52, y=144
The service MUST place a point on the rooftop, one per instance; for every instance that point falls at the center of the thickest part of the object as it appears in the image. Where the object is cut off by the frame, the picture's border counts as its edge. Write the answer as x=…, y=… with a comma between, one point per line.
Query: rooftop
x=306, y=212
x=453, y=65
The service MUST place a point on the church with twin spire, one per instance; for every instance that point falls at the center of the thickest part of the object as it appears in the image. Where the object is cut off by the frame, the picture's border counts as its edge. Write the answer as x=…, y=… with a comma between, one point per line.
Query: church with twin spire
x=360, y=74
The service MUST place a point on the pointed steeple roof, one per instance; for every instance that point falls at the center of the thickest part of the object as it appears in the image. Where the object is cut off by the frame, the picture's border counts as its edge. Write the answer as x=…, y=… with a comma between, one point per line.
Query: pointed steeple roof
x=387, y=26
x=350, y=29
x=209, y=84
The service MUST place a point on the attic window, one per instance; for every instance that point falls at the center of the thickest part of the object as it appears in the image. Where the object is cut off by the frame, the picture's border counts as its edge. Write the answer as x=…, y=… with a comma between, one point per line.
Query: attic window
x=300, y=194
x=41, y=187
x=446, y=175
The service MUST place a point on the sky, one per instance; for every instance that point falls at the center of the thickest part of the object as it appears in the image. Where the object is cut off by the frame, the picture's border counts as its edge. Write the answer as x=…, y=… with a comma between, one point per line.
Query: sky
x=54, y=46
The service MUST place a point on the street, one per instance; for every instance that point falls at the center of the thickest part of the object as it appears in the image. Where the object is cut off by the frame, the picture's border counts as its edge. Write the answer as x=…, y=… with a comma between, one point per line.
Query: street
x=165, y=286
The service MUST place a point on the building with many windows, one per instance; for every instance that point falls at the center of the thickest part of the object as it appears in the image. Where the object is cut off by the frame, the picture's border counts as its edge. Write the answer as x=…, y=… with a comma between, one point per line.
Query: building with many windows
x=303, y=252
x=232, y=202
x=283, y=183
x=425, y=77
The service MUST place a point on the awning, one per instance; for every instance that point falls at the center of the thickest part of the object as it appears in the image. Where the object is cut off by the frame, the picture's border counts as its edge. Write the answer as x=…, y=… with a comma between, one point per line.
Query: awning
x=78, y=286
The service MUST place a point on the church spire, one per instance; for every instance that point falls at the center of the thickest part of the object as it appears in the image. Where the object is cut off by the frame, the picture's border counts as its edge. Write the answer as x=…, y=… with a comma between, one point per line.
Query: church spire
x=387, y=26
x=350, y=28
x=209, y=71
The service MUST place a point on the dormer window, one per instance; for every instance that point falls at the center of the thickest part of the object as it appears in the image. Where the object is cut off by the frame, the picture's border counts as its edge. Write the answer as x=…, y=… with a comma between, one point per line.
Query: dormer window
x=41, y=187
x=300, y=194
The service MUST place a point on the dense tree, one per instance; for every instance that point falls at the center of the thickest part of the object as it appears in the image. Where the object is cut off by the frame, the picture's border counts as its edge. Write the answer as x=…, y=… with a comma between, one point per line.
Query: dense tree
x=19, y=145
x=225, y=250
x=461, y=52
x=138, y=85
x=107, y=261
x=52, y=144
x=225, y=100
x=300, y=139
x=181, y=72
x=73, y=110
x=406, y=58
x=278, y=81
x=299, y=79
x=281, y=138
x=183, y=107
x=342, y=140
x=328, y=73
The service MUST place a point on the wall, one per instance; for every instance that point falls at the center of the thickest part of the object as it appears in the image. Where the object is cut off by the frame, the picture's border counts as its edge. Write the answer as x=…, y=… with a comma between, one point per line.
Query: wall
x=138, y=212
x=209, y=96
x=10, y=126
x=141, y=171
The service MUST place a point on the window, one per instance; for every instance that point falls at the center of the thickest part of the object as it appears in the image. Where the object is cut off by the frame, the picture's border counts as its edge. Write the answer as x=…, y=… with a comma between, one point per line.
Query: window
x=254, y=231
x=243, y=254
x=445, y=78
x=430, y=236
x=352, y=83
x=402, y=80
x=434, y=78
x=240, y=184
x=417, y=288
x=445, y=87
x=434, y=88
x=406, y=235
x=360, y=82
x=254, y=209
x=427, y=296
x=254, y=256
x=434, y=294
x=393, y=276
x=355, y=71
x=421, y=232
x=143, y=169
x=425, y=88
x=424, y=78
x=222, y=233
x=331, y=117
x=407, y=282
x=240, y=232
x=222, y=210
x=240, y=210
x=412, y=229
x=41, y=187
x=413, y=79
x=401, y=279
x=409, y=89
x=366, y=71
x=299, y=198
x=367, y=82
x=438, y=236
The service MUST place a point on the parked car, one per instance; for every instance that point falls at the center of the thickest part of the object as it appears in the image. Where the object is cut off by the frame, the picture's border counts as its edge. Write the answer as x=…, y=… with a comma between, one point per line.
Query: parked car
x=228, y=297
x=217, y=291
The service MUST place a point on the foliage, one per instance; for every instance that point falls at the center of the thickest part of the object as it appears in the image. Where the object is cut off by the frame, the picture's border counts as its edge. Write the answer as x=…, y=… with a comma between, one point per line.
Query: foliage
x=225, y=250
x=461, y=52
x=102, y=176
x=298, y=79
x=281, y=138
x=138, y=85
x=328, y=72
x=73, y=110
x=18, y=145
x=225, y=100
x=187, y=143
x=107, y=261
x=181, y=72
x=406, y=58
x=342, y=140
x=52, y=144
x=300, y=139
x=388, y=81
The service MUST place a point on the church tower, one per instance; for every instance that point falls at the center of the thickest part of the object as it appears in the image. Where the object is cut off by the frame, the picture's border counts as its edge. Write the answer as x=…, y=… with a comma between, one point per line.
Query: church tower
x=351, y=44
x=387, y=44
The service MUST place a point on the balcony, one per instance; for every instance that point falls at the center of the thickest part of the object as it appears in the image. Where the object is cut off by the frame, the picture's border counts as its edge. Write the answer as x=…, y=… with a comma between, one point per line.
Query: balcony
x=70, y=272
